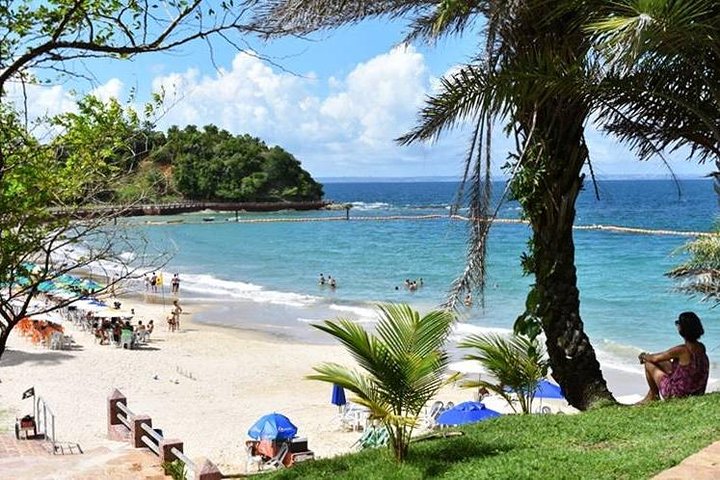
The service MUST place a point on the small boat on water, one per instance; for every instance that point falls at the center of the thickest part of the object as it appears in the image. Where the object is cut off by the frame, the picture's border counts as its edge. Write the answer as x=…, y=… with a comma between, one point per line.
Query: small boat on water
x=208, y=219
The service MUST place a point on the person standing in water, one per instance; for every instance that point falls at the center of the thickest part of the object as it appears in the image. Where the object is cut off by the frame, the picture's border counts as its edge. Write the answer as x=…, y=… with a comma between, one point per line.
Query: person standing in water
x=175, y=283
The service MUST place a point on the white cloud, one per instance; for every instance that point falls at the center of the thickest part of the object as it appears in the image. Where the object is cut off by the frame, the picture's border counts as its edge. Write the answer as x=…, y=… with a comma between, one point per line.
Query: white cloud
x=329, y=125
x=113, y=88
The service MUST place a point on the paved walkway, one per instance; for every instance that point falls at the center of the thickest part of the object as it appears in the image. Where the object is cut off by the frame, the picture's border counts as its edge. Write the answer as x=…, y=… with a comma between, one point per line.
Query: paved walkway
x=30, y=459
x=704, y=465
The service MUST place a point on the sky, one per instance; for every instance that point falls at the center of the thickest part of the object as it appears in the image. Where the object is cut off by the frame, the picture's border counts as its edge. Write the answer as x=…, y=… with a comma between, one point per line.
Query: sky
x=336, y=101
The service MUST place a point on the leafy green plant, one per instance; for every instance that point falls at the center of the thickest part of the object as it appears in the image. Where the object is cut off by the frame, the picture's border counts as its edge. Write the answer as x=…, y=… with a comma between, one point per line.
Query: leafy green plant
x=176, y=469
x=403, y=365
x=517, y=363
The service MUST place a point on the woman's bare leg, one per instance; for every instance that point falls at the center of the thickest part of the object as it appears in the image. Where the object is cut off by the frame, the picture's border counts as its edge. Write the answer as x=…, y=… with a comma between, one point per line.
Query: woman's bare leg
x=654, y=373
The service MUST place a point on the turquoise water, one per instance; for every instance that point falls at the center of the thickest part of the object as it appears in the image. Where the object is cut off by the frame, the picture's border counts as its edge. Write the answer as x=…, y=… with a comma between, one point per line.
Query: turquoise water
x=264, y=275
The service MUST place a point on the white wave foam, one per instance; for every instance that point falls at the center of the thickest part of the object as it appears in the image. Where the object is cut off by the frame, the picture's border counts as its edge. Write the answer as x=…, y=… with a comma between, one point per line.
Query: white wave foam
x=207, y=284
x=462, y=330
x=128, y=256
x=363, y=314
x=369, y=205
x=309, y=320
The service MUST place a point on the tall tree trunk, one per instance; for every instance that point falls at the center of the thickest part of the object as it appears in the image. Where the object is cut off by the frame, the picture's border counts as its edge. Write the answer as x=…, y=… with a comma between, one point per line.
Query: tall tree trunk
x=556, y=296
x=4, y=334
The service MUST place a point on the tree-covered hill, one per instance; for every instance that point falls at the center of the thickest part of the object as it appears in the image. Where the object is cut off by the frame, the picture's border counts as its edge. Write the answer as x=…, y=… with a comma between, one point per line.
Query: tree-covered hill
x=211, y=164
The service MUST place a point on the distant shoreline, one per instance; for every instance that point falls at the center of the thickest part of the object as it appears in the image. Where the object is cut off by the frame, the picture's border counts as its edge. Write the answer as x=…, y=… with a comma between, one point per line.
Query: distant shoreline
x=189, y=207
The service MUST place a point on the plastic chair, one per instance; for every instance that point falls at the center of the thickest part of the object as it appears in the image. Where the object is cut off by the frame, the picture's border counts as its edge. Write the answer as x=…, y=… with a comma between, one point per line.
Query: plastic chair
x=252, y=459
x=277, y=460
x=126, y=339
x=354, y=417
x=56, y=341
x=431, y=414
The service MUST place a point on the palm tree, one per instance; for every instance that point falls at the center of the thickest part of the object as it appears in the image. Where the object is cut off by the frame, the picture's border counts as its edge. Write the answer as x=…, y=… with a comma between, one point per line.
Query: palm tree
x=532, y=76
x=403, y=361
x=546, y=68
x=517, y=363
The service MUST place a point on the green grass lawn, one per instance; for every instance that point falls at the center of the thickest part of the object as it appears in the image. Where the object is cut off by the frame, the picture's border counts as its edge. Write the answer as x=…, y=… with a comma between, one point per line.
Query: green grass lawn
x=607, y=443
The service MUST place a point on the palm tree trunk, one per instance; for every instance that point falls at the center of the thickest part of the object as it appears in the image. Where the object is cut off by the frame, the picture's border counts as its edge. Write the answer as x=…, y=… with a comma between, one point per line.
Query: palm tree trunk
x=556, y=296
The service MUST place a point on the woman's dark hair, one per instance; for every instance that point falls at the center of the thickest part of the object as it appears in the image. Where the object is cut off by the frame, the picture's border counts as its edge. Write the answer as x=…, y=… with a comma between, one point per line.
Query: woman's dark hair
x=690, y=326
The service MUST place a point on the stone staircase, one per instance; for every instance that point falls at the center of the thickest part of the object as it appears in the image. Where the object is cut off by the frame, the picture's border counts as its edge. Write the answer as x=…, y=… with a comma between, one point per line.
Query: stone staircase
x=30, y=459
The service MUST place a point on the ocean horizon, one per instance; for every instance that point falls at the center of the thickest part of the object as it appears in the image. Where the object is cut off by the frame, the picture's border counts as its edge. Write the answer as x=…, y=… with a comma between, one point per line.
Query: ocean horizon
x=499, y=178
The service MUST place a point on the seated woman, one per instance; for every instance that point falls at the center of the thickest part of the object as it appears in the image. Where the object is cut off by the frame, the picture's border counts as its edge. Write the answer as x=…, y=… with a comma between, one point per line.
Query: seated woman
x=682, y=370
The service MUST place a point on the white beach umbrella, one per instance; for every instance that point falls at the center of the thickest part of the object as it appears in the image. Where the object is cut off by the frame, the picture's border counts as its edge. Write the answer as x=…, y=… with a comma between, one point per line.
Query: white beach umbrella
x=88, y=306
x=113, y=312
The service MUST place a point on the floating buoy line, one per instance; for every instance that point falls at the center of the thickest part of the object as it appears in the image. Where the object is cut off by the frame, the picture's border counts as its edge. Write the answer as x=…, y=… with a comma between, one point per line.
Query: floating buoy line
x=605, y=228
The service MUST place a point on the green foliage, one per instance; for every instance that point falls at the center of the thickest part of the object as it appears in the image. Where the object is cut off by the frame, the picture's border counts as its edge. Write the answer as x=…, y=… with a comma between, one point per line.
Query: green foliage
x=50, y=39
x=176, y=469
x=604, y=444
x=529, y=323
x=403, y=365
x=212, y=164
x=94, y=147
x=700, y=274
x=517, y=362
x=41, y=186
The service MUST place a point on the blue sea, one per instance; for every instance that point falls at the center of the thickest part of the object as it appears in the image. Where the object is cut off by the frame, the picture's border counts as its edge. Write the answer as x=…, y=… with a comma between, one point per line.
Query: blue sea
x=264, y=275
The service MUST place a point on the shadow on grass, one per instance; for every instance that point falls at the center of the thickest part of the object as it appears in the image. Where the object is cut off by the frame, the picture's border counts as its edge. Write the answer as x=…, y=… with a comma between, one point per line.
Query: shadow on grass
x=445, y=453
x=12, y=358
x=427, y=459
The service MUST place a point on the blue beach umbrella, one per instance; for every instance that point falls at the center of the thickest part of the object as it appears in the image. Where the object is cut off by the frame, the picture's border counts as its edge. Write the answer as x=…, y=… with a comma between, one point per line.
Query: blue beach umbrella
x=46, y=286
x=67, y=280
x=273, y=426
x=338, y=395
x=545, y=389
x=466, y=412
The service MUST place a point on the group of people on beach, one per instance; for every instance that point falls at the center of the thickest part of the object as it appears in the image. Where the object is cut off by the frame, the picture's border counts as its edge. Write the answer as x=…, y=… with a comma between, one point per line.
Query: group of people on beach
x=108, y=331
x=330, y=281
x=155, y=280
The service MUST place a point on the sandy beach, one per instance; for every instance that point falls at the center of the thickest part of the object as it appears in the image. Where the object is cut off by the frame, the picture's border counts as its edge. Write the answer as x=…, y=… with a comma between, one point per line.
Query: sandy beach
x=237, y=376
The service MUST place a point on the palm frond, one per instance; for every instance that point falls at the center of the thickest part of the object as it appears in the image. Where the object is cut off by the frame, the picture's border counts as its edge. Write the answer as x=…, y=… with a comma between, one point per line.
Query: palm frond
x=517, y=362
x=461, y=95
x=274, y=18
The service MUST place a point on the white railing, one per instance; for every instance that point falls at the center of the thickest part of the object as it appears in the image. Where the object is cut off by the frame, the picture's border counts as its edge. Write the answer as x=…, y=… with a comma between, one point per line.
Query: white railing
x=41, y=417
x=153, y=443
x=125, y=420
